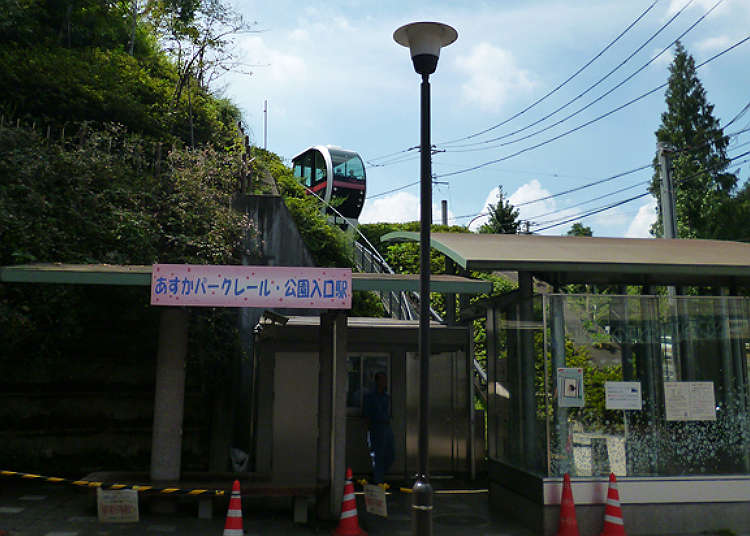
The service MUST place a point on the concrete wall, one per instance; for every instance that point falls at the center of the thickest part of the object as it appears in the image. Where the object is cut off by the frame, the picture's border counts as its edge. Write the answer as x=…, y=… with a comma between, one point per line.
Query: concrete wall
x=646, y=519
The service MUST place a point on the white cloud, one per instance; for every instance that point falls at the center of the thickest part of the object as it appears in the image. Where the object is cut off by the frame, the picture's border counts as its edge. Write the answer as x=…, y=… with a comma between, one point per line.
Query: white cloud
x=273, y=65
x=705, y=5
x=299, y=34
x=397, y=208
x=528, y=192
x=711, y=44
x=665, y=59
x=639, y=227
x=492, y=76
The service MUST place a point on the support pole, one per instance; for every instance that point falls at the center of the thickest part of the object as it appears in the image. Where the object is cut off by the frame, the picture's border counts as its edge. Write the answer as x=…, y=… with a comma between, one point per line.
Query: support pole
x=557, y=340
x=528, y=389
x=422, y=490
x=166, y=443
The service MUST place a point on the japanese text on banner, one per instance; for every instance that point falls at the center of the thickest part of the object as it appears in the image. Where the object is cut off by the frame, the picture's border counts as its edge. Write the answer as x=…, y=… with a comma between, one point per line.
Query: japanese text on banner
x=251, y=286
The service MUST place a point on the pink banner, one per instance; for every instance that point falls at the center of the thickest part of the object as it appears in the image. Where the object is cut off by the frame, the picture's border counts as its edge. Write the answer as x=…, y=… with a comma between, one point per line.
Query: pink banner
x=267, y=287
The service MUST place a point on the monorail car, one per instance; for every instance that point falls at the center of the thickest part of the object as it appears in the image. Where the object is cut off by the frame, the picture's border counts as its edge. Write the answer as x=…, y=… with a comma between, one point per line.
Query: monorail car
x=333, y=174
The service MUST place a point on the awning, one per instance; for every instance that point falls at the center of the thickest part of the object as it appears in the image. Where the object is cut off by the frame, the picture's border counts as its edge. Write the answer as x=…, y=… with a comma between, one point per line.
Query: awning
x=138, y=275
x=574, y=259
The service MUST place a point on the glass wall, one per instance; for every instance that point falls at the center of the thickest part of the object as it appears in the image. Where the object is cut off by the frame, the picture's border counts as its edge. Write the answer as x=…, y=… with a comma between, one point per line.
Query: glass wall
x=636, y=385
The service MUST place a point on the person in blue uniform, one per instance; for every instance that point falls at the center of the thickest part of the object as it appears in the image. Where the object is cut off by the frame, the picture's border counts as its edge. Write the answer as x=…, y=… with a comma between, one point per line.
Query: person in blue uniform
x=377, y=412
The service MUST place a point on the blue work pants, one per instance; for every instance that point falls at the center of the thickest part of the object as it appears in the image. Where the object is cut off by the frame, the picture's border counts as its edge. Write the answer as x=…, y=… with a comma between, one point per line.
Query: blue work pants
x=381, y=444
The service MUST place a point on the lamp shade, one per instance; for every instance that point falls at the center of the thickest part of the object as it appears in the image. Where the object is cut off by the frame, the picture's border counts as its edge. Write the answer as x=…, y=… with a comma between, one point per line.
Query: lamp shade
x=424, y=40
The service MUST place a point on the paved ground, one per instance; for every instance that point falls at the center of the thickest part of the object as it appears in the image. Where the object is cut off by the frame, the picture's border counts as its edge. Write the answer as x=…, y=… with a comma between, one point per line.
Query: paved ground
x=30, y=508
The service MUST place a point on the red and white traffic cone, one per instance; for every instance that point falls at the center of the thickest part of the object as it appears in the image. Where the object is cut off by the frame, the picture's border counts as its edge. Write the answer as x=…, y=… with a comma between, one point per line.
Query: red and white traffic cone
x=349, y=522
x=568, y=524
x=613, y=523
x=233, y=524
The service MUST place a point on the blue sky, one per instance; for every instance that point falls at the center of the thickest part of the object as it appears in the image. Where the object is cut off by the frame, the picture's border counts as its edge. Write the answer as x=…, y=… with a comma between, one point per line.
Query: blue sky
x=332, y=74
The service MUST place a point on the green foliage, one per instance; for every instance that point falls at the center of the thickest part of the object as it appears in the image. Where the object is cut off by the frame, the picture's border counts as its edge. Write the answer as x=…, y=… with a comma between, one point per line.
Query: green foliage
x=366, y=304
x=703, y=188
x=91, y=203
x=97, y=203
x=594, y=414
x=578, y=229
x=196, y=221
x=503, y=216
x=55, y=86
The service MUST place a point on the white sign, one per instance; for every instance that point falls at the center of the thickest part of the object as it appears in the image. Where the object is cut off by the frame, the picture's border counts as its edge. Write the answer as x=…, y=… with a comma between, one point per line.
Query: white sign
x=623, y=395
x=570, y=388
x=375, y=500
x=689, y=401
x=117, y=506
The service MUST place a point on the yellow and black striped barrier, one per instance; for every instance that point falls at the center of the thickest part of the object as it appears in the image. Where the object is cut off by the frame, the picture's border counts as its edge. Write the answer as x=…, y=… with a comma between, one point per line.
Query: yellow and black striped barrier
x=113, y=485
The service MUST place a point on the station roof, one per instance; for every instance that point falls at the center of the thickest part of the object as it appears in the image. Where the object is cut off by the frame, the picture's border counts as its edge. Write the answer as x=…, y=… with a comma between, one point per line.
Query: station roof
x=573, y=259
x=139, y=275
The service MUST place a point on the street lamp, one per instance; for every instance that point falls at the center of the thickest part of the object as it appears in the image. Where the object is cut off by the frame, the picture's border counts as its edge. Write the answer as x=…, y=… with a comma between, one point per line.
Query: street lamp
x=424, y=40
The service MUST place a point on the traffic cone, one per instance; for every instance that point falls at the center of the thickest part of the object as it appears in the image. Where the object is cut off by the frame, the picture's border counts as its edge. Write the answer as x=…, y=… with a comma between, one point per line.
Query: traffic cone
x=568, y=525
x=233, y=524
x=349, y=522
x=613, y=523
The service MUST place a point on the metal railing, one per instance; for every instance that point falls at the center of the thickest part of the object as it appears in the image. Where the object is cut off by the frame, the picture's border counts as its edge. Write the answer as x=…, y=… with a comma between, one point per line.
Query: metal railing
x=396, y=304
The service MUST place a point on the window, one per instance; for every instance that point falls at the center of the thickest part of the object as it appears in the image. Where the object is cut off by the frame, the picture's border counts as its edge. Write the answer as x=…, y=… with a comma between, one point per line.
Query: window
x=347, y=166
x=303, y=168
x=361, y=370
x=319, y=174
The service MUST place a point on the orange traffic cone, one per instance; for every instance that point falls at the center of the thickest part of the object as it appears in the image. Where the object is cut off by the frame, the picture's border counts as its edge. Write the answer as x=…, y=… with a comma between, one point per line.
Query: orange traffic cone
x=568, y=525
x=349, y=522
x=233, y=524
x=613, y=523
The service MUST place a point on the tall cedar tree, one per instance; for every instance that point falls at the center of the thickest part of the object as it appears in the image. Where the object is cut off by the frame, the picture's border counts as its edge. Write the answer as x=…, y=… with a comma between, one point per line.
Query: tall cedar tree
x=703, y=189
x=503, y=216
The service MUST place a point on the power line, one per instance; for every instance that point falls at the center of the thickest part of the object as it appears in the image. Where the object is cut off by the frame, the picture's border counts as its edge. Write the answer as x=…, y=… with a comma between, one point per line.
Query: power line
x=548, y=94
x=587, y=123
x=404, y=187
x=559, y=86
x=587, y=185
x=565, y=192
x=602, y=79
x=592, y=212
x=582, y=187
x=609, y=194
x=583, y=108
x=624, y=201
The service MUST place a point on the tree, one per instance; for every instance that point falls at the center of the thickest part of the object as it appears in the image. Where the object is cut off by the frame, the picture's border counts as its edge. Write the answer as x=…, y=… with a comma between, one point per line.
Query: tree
x=580, y=229
x=703, y=188
x=503, y=216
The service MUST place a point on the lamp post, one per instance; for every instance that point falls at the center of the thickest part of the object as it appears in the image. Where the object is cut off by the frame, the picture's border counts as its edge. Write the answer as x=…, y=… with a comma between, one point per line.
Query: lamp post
x=424, y=40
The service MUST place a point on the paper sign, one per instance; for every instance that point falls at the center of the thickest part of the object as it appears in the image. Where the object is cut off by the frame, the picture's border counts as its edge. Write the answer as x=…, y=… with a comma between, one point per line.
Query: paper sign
x=689, y=401
x=117, y=506
x=570, y=388
x=198, y=285
x=623, y=395
x=375, y=500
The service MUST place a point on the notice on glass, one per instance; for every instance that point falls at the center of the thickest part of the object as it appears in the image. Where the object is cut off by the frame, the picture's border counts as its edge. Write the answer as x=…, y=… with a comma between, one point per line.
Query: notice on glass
x=690, y=401
x=570, y=388
x=623, y=395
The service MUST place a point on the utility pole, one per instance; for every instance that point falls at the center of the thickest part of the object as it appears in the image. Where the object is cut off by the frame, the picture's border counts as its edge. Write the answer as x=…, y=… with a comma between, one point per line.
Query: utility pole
x=444, y=210
x=668, y=215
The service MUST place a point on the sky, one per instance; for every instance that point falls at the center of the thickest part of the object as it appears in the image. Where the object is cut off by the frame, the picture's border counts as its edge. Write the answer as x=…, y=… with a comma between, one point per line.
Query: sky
x=331, y=73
